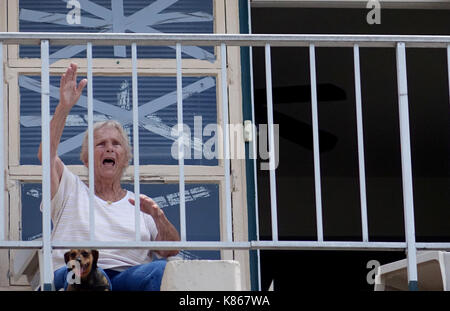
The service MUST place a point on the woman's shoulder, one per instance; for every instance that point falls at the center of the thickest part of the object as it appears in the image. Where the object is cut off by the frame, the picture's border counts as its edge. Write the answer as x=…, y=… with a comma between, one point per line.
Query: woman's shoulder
x=70, y=177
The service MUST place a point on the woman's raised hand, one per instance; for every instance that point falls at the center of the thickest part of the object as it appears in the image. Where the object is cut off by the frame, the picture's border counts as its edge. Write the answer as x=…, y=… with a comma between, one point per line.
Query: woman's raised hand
x=69, y=92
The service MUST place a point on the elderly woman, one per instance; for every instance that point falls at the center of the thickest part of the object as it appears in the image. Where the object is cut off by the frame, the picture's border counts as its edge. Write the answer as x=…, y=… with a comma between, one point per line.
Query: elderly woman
x=131, y=269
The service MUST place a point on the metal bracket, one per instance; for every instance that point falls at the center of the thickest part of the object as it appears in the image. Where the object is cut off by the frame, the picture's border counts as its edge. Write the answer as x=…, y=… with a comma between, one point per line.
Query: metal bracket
x=248, y=131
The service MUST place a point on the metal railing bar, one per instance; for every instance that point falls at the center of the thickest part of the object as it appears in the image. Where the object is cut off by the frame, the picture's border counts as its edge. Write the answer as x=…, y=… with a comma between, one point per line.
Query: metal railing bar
x=20, y=244
x=263, y=245
x=136, y=161
x=273, y=183
x=328, y=245
x=2, y=153
x=448, y=69
x=152, y=245
x=311, y=41
x=90, y=111
x=226, y=143
x=405, y=149
x=325, y=40
x=256, y=245
x=253, y=147
x=218, y=244
x=181, y=143
x=47, y=278
x=433, y=245
x=316, y=151
x=360, y=132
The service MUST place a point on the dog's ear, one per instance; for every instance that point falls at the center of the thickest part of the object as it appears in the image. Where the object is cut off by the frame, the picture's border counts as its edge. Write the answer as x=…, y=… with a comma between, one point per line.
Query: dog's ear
x=67, y=256
x=95, y=256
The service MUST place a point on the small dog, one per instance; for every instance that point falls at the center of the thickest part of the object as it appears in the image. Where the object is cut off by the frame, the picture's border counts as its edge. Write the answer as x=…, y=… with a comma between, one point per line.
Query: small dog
x=85, y=275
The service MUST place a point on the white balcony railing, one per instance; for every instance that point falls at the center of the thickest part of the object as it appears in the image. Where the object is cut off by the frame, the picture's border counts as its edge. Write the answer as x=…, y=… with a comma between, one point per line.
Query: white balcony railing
x=400, y=43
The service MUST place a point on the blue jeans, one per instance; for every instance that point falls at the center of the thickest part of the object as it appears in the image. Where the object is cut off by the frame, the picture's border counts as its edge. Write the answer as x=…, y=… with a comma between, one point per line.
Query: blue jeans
x=146, y=277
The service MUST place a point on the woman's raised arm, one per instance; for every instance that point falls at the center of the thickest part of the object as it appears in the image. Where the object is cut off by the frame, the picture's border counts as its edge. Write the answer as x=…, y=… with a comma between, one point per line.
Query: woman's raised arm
x=69, y=93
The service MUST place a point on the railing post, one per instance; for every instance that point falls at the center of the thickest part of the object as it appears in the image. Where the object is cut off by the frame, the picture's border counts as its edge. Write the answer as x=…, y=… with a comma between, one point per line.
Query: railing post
x=273, y=183
x=136, y=161
x=2, y=153
x=181, y=143
x=316, y=149
x=46, y=183
x=254, y=149
x=448, y=70
x=408, y=202
x=360, y=129
x=90, y=109
x=226, y=141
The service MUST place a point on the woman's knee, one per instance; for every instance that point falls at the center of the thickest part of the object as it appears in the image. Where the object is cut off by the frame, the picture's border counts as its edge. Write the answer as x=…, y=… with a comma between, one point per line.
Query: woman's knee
x=156, y=269
x=60, y=278
x=160, y=265
x=155, y=275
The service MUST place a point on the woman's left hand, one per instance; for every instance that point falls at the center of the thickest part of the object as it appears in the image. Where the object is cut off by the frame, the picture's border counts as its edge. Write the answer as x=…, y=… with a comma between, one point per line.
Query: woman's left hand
x=148, y=206
x=166, y=231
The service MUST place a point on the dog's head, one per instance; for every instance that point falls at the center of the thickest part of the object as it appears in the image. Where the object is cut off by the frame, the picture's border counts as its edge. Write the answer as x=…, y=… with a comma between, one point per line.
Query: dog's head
x=81, y=261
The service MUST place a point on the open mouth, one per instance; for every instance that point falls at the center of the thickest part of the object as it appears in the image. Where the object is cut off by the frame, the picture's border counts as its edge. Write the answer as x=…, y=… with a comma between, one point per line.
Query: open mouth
x=84, y=269
x=109, y=162
x=79, y=269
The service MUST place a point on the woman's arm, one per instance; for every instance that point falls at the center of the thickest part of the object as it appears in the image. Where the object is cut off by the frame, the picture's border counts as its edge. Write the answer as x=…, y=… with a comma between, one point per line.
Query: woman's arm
x=166, y=231
x=69, y=93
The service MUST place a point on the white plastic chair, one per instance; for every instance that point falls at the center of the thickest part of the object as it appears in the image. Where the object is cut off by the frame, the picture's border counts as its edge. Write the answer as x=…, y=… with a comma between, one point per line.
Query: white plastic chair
x=433, y=269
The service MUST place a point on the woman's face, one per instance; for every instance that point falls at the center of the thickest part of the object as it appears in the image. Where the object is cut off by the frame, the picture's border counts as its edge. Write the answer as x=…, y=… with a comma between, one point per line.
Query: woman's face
x=110, y=155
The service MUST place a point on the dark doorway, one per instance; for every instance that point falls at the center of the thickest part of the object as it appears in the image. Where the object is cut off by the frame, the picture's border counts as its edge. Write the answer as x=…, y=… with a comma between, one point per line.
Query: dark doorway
x=430, y=140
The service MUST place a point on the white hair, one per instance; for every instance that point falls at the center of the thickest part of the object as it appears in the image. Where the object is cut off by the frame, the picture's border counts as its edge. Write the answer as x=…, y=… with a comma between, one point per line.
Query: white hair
x=98, y=125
